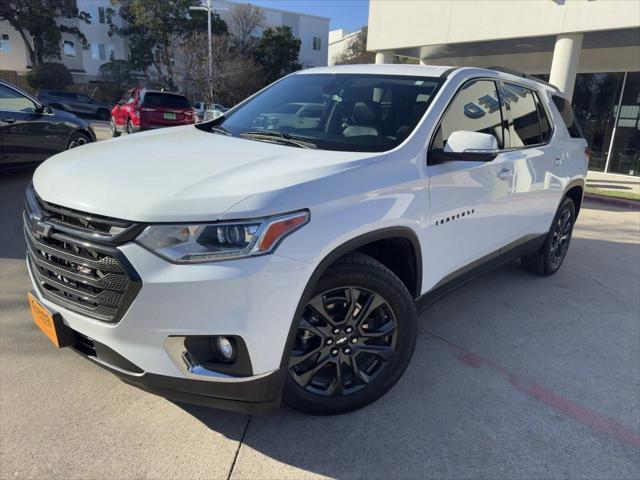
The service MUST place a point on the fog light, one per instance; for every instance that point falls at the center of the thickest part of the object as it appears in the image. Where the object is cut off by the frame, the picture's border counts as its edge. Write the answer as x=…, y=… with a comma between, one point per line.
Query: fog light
x=225, y=349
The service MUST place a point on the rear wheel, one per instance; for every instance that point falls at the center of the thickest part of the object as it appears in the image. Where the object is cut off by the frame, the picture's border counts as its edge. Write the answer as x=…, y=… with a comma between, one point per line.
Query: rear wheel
x=549, y=258
x=77, y=140
x=114, y=128
x=354, y=341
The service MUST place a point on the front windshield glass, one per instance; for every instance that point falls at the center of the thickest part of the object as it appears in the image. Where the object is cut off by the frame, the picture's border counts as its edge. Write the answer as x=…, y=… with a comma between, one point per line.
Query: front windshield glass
x=349, y=112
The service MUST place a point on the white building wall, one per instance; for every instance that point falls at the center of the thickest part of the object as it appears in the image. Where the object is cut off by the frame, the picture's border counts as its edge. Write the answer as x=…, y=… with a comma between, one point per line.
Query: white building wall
x=17, y=58
x=406, y=23
x=339, y=41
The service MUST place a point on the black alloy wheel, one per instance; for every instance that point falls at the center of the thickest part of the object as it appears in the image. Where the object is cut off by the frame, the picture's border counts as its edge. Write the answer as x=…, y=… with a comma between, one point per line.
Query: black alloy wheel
x=344, y=342
x=355, y=337
x=551, y=255
x=560, y=238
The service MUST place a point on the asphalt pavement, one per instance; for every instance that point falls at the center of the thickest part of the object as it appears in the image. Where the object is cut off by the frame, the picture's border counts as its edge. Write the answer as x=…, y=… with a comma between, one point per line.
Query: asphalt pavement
x=514, y=376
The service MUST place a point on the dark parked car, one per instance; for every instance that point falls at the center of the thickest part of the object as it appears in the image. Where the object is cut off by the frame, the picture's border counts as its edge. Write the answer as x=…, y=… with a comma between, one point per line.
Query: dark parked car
x=31, y=131
x=77, y=103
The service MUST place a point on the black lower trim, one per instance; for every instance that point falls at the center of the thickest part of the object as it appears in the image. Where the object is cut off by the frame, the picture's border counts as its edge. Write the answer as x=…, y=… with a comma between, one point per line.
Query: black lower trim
x=259, y=396
x=524, y=246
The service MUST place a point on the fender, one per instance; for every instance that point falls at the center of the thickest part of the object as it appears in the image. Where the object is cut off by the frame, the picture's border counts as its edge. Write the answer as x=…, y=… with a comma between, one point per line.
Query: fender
x=342, y=250
x=577, y=182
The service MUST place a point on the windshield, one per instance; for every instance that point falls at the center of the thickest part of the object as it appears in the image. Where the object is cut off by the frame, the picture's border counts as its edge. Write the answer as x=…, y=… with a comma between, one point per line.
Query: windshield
x=348, y=112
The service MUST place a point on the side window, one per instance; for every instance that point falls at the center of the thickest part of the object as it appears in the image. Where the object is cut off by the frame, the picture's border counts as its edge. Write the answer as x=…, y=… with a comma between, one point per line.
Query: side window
x=566, y=112
x=476, y=108
x=524, y=115
x=12, y=101
x=545, y=125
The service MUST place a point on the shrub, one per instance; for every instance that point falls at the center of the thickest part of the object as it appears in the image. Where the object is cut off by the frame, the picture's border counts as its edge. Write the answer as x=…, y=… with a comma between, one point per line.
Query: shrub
x=50, y=75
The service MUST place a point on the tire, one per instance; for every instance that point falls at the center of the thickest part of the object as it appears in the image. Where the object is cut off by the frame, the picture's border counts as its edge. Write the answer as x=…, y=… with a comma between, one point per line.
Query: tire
x=77, y=140
x=129, y=127
x=114, y=128
x=551, y=255
x=361, y=351
x=103, y=115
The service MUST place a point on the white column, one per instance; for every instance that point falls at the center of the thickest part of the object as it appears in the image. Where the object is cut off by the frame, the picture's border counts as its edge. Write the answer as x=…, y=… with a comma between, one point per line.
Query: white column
x=384, y=57
x=424, y=61
x=564, y=66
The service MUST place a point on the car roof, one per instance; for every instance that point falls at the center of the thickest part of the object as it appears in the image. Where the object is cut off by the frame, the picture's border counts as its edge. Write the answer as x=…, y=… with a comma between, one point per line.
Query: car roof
x=384, y=69
x=428, y=71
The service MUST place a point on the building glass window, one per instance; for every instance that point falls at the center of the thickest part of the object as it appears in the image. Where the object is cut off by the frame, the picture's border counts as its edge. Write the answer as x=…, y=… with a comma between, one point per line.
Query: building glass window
x=101, y=14
x=317, y=43
x=5, y=43
x=98, y=51
x=624, y=156
x=69, y=48
x=595, y=99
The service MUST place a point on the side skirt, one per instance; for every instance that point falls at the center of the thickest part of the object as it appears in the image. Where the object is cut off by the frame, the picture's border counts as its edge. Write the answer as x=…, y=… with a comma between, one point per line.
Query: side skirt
x=524, y=246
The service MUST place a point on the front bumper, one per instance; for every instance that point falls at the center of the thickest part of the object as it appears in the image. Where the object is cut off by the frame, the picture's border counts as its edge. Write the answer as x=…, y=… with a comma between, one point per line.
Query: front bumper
x=253, y=298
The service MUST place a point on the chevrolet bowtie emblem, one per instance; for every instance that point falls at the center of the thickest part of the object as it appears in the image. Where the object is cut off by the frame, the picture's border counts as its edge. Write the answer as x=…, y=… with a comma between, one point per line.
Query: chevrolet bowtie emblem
x=42, y=229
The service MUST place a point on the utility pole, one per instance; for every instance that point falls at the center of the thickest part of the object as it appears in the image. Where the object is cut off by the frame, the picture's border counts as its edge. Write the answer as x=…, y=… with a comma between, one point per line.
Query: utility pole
x=209, y=8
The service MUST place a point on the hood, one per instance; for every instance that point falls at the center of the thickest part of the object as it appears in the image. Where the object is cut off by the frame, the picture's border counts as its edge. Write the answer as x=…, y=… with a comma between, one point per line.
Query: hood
x=177, y=174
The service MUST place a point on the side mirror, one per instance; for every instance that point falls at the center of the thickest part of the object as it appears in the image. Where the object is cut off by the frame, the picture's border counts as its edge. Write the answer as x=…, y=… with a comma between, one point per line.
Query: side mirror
x=468, y=146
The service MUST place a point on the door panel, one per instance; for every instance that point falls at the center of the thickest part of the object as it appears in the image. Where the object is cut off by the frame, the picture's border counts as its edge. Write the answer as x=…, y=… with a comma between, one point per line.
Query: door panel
x=538, y=165
x=470, y=201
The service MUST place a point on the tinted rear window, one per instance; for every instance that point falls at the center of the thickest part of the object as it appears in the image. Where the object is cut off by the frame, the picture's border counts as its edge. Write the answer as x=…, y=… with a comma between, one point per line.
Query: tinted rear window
x=165, y=100
x=566, y=112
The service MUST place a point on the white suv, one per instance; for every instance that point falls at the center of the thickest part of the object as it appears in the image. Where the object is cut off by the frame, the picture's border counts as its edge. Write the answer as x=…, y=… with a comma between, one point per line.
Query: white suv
x=231, y=265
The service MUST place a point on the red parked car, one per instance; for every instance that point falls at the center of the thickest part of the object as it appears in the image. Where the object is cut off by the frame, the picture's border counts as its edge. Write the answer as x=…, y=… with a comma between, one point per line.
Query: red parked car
x=142, y=109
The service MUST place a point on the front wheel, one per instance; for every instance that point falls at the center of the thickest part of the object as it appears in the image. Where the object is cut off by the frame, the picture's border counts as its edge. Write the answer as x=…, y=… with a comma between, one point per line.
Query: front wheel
x=549, y=258
x=77, y=140
x=129, y=127
x=114, y=128
x=354, y=341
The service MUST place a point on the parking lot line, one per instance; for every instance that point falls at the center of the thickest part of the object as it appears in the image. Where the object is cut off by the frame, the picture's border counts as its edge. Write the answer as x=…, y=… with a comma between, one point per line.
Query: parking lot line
x=553, y=400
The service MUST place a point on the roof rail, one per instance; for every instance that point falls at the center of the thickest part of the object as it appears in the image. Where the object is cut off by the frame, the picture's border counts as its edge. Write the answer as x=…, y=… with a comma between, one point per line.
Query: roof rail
x=523, y=75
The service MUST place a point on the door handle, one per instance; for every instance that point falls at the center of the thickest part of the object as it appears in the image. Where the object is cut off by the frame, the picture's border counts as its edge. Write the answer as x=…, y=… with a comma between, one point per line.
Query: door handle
x=557, y=161
x=505, y=173
x=9, y=120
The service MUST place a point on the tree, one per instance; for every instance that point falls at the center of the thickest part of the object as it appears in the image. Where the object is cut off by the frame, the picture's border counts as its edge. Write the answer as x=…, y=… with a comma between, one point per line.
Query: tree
x=235, y=77
x=356, y=51
x=50, y=75
x=38, y=23
x=198, y=23
x=244, y=21
x=114, y=78
x=153, y=28
x=277, y=52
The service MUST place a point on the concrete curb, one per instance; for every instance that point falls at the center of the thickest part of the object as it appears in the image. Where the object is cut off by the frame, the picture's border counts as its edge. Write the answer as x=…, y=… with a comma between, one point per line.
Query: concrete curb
x=616, y=202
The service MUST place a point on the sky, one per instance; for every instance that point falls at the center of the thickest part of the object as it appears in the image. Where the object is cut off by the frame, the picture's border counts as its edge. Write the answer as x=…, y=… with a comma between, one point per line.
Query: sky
x=347, y=14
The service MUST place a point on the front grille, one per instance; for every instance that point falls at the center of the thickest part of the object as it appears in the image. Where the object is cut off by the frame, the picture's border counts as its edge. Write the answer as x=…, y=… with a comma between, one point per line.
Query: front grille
x=94, y=226
x=86, y=279
x=73, y=259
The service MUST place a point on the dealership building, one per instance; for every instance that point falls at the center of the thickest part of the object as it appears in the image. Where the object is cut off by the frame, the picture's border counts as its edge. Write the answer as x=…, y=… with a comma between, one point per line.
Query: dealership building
x=589, y=49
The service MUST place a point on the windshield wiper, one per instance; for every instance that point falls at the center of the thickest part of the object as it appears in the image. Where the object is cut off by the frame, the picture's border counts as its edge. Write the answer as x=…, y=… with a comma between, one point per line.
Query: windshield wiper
x=221, y=130
x=279, y=137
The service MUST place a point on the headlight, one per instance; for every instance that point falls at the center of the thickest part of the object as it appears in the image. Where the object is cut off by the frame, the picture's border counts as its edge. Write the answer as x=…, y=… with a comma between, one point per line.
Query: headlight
x=196, y=243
